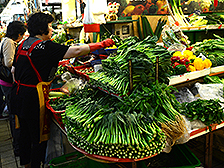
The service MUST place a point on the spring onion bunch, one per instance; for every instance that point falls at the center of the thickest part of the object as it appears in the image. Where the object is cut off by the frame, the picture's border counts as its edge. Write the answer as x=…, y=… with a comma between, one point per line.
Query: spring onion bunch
x=104, y=125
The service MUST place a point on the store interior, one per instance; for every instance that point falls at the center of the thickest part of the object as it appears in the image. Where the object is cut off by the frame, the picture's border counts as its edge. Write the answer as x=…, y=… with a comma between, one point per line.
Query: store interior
x=154, y=99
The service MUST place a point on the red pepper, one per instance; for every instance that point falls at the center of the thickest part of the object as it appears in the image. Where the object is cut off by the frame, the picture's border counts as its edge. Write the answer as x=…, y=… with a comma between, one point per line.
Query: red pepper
x=187, y=63
x=184, y=61
x=175, y=64
x=189, y=48
x=175, y=59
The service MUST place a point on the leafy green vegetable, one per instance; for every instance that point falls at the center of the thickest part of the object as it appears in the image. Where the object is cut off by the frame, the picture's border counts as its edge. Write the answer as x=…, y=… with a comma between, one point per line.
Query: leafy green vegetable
x=208, y=111
x=212, y=79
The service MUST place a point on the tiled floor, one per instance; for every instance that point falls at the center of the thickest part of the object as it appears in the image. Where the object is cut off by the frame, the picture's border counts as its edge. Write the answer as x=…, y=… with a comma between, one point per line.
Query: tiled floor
x=8, y=160
x=7, y=157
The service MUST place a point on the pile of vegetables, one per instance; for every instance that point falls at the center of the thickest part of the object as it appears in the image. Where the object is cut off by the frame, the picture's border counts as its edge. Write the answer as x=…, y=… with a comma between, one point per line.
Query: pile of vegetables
x=102, y=124
x=147, y=29
x=59, y=36
x=213, y=49
x=174, y=35
x=188, y=62
x=128, y=127
x=114, y=77
x=208, y=111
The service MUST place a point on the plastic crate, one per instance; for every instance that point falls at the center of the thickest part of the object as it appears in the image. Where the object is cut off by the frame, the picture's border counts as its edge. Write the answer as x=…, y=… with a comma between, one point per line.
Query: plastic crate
x=78, y=71
x=77, y=160
x=56, y=115
x=179, y=157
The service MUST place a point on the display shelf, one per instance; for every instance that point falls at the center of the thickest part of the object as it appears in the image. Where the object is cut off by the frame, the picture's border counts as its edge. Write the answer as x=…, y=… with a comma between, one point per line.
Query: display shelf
x=188, y=76
x=202, y=131
x=218, y=69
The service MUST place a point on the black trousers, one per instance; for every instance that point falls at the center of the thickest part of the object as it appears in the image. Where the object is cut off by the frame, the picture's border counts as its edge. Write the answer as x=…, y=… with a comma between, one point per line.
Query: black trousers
x=31, y=151
x=15, y=132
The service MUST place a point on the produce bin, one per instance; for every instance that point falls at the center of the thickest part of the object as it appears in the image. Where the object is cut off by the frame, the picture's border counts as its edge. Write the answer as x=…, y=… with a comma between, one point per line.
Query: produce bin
x=77, y=160
x=179, y=157
x=82, y=70
x=56, y=115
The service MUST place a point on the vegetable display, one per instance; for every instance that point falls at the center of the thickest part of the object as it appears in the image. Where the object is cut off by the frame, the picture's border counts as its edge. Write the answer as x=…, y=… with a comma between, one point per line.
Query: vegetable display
x=114, y=77
x=208, y=111
x=213, y=49
x=188, y=62
x=103, y=125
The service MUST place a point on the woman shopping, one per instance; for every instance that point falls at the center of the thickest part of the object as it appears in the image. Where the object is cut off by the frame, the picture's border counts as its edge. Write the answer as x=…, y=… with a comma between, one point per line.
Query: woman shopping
x=14, y=34
x=34, y=66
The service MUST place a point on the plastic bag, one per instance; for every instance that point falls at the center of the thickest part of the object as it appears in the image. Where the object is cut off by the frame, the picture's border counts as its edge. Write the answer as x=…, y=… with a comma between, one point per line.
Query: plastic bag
x=196, y=124
x=185, y=95
x=99, y=7
x=71, y=85
x=66, y=76
x=88, y=14
x=186, y=136
x=210, y=91
x=177, y=47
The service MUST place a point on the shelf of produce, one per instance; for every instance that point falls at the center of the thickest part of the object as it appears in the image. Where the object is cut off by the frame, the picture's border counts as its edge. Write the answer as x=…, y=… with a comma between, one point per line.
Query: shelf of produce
x=204, y=27
x=201, y=131
x=98, y=157
x=188, y=76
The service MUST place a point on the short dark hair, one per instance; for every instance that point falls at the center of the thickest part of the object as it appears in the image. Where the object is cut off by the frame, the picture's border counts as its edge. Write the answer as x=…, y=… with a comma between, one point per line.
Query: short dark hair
x=38, y=23
x=14, y=29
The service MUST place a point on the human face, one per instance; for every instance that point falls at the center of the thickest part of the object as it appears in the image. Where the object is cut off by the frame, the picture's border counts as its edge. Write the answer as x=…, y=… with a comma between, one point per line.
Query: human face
x=48, y=36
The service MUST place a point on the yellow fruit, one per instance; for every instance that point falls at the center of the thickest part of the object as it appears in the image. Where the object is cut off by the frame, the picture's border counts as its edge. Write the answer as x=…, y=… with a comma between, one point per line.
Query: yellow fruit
x=198, y=64
x=191, y=68
x=207, y=63
x=177, y=53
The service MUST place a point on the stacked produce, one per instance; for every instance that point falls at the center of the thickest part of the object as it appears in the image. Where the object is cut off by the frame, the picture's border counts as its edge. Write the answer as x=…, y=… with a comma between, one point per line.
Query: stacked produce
x=174, y=35
x=188, y=62
x=213, y=49
x=114, y=77
x=208, y=111
x=177, y=13
x=147, y=29
x=130, y=127
x=104, y=125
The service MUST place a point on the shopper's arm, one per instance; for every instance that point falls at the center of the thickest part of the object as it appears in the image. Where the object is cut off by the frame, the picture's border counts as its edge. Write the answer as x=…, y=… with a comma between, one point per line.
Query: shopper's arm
x=75, y=51
x=9, y=52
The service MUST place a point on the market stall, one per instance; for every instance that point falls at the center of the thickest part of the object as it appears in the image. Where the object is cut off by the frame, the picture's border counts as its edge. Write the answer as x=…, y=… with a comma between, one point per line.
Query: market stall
x=83, y=72
x=124, y=104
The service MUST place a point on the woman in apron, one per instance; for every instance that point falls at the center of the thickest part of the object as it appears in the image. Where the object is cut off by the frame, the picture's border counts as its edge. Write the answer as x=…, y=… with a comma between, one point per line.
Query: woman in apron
x=34, y=66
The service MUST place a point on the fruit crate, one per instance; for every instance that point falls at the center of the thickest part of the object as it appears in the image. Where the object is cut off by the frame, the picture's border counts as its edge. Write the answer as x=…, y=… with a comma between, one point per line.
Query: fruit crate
x=77, y=160
x=179, y=157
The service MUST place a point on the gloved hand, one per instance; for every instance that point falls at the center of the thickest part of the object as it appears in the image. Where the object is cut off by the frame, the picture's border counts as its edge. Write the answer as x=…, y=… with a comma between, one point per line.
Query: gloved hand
x=102, y=44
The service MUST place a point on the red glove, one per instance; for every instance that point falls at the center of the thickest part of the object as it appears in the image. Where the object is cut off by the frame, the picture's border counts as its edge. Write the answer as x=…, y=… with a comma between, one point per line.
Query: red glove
x=102, y=44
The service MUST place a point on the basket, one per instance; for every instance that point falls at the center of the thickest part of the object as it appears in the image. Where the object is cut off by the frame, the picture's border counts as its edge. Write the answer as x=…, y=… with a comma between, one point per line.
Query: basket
x=77, y=160
x=56, y=115
x=179, y=157
x=78, y=69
